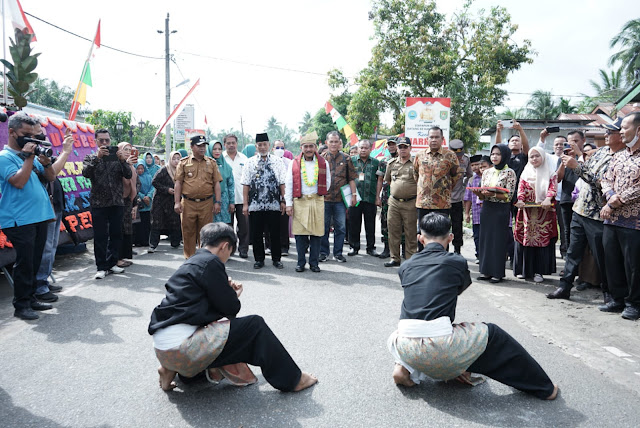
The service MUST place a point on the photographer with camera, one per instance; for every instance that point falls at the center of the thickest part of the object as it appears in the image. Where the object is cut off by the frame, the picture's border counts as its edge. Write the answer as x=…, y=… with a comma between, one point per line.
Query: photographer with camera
x=106, y=169
x=25, y=209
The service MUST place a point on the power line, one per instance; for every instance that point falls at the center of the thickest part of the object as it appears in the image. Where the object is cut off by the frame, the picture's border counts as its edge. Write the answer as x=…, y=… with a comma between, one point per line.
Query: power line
x=91, y=40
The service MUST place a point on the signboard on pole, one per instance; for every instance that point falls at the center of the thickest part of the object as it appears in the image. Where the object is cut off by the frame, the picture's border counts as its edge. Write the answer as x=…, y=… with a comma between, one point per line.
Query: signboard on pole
x=188, y=133
x=184, y=120
x=422, y=114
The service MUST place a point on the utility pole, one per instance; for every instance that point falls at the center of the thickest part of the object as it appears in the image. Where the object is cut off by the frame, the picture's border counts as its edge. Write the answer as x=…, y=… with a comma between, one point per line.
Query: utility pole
x=167, y=146
x=242, y=130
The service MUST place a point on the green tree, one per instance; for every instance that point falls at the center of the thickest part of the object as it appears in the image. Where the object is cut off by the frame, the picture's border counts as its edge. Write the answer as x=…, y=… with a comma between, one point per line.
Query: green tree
x=611, y=86
x=628, y=39
x=564, y=106
x=516, y=113
x=20, y=73
x=306, y=124
x=419, y=53
x=542, y=106
x=49, y=94
x=277, y=131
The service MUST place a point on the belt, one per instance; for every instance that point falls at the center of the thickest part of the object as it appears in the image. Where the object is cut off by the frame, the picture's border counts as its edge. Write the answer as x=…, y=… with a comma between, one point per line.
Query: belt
x=197, y=199
x=403, y=200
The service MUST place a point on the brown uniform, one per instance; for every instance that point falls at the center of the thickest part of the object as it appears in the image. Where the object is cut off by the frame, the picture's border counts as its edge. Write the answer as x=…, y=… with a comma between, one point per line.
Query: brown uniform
x=402, y=207
x=198, y=182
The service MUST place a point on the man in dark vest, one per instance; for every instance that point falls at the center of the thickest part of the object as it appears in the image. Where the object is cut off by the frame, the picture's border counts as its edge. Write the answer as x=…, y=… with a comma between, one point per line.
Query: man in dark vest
x=306, y=184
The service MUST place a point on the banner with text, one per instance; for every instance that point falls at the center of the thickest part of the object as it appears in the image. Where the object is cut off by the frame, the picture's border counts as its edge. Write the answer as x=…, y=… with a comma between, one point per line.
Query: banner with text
x=422, y=114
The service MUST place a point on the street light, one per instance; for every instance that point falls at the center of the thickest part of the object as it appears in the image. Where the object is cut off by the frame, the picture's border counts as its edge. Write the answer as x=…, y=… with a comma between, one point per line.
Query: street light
x=119, y=129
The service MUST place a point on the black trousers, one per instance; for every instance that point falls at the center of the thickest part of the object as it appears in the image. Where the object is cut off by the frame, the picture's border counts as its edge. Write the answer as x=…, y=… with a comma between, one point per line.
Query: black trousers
x=284, y=234
x=142, y=230
x=251, y=341
x=107, y=235
x=584, y=231
x=368, y=210
x=175, y=236
x=421, y=213
x=622, y=256
x=126, y=248
x=269, y=222
x=566, y=211
x=563, y=245
x=456, y=214
x=476, y=237
x=506, y=361
x=242, y=229
x=28, y=241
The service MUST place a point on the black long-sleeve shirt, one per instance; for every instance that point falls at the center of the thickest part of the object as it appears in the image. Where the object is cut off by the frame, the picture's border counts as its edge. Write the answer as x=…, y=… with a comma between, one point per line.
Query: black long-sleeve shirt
x=106, y=180
x=198, y=293
x=432, y=280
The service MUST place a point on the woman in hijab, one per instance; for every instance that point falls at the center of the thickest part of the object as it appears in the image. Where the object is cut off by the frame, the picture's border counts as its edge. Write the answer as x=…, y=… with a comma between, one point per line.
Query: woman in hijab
x=142, y=229
x=129, y=187
x=163, y=217
x=226, y=186
x=536, y=227
x=150, y=164
x=494, y=217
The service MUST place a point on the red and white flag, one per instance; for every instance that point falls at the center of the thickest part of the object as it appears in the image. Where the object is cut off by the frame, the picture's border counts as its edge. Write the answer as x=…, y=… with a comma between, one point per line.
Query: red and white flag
x=18, y=18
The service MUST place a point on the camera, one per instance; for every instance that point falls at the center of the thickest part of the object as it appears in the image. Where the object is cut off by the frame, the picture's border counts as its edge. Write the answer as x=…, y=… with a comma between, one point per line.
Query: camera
x=43, y=147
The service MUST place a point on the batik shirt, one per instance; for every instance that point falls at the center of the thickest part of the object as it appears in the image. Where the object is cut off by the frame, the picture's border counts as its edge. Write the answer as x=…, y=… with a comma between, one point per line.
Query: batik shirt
x=622, y=178
x=264, y=177
x=342, y=172
x=435, y=172
x=476, y=203
x=591, y=200
x=367, y=171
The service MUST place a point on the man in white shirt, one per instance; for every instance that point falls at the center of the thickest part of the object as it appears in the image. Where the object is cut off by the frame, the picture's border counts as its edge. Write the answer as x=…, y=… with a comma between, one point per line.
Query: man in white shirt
x=237, y=161
x=307, y=181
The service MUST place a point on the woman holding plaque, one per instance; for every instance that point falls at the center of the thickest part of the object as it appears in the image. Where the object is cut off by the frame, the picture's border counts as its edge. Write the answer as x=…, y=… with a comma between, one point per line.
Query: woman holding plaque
x=498, y=185
x=536, y=228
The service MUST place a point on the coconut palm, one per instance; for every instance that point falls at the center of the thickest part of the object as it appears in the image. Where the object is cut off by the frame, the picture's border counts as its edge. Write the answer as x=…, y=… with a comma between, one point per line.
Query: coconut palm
x=542, y=106
x=611, y=87
x=629, y=57
x=306, y=124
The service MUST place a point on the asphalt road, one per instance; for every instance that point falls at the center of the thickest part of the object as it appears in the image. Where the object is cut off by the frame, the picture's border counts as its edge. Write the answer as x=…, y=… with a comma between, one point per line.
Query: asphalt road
x=90, y=362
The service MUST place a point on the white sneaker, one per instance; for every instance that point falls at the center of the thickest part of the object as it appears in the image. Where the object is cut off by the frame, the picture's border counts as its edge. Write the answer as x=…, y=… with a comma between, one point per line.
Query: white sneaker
x=538, y=278
x=520, y=276
x=100, y=274
x=116, y=269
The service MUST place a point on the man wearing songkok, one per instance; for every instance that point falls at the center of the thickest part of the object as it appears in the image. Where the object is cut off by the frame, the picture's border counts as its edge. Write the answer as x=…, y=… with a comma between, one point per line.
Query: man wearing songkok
x=428, y=345
x=306, y=184
x=621, y=214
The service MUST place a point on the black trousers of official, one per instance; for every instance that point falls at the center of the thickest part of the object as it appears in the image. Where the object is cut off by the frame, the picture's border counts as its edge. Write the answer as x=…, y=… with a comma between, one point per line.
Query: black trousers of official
x=269, y=222
x=456, y=213
x=584, y=231
x=369, y=211
x=107, y=235
x=251, y=341
x=563, y=245
x=423, y=212
x=622, y=257
x=284, y=234
x=28, y=241
x=566, y=211
x=242, y=229
x=506, y=361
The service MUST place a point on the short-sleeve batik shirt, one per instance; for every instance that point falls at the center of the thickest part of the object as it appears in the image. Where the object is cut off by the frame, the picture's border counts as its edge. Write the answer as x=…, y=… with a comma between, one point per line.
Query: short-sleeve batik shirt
x=264, y=177
x=436, y=173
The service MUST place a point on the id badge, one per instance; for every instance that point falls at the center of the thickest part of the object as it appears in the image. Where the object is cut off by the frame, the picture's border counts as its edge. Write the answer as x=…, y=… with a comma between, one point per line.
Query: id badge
x=361, y=176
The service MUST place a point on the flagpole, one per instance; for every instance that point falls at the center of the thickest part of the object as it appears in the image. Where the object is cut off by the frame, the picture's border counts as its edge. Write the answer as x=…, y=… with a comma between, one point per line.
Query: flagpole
x=84, y=69
x=4, y=54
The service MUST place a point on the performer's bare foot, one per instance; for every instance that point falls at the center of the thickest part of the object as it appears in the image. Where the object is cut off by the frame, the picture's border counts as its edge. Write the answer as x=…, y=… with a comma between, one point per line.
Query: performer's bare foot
x=166, y=378
x=306, y=380
x=401, y=376
x=554, y=394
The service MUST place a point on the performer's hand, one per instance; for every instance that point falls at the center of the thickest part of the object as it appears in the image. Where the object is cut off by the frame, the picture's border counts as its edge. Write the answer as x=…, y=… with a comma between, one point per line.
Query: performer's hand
x=237, y=286
x=465, y=378
x=519, y=204
x=245, y=209
x=546, y=204
x=217, y=208
x=290, y=211
x=178, y=207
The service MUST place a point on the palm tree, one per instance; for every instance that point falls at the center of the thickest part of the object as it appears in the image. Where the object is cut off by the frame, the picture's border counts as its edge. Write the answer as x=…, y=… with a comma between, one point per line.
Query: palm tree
x=306, y=124
x=564, y=106
x=542, y=106
x=516, y=113
x=611, y=86
x=629, y=56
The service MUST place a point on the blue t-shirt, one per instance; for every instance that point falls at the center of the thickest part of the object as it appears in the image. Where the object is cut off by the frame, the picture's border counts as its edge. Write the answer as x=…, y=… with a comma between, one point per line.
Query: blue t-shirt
x=19, y=207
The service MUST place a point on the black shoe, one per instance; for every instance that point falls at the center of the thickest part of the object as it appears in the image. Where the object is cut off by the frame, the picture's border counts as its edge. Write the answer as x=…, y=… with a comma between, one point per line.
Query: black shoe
x=560, y=293
x=322, y=258
x=47, y=297
x=607, y=297
x=353, y=252
x=384, y=254
x=373, y=253
x=392, y=263
x=26, y=314
x=456, y=250
x=284, y=252
x=495, y=280
x=54, y=288
x=258, y=265
x=484, y=277
x=40, y=306
x=134, y=252
x=612, y=306
x=299, y=268
x=243, y=255
x=631, y=313
x=340, y=259
x=315, y=269
x=582, y=286
x=278, y=265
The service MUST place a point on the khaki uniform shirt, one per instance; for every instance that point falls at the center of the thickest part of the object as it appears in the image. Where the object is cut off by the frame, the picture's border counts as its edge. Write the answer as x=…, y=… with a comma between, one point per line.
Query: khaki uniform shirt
x=198, y=177
x=401, y=178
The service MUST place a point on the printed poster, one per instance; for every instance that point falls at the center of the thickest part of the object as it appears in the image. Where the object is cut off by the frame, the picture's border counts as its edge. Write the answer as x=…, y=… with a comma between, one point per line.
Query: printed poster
x=422, y=114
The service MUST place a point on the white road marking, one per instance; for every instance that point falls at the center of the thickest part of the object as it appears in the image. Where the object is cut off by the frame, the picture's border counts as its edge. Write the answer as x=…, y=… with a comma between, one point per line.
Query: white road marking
x=630, y=360
x=617, y=352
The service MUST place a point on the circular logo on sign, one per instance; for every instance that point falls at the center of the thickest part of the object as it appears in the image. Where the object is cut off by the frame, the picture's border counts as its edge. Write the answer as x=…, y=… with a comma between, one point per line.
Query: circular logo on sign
x=412, y=114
